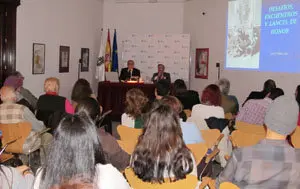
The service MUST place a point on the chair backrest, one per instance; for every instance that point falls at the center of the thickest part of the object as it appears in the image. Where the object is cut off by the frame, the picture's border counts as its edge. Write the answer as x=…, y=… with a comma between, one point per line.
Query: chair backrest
x=211, y=137
x=229, y=116
x=241, y=139
x=128, y=133
x=190, y=182
x=127, y=146
x=250, y=128
x=14, y=131
x=228, y=185
x=5, y=157
x=198, y=150
x=295, y=138
x=187, y=112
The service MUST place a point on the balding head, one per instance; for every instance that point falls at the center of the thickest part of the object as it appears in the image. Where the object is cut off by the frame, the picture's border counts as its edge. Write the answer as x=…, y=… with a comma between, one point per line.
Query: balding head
x=8, y=94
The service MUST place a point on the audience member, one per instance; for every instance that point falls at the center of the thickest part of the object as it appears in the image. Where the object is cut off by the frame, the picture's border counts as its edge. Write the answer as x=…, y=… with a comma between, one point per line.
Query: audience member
x=268, y=86
x=115, y=155
x=161, y=74
x=10, y=113
x=51, y=102
x=130, y=72
x=161, y=152
x=26, y=94
x=162, y=88
x=81, y=90
x=211, y=108
x=272, y=163
x=188, y=98
x=16, y=83
x=211, y=95
x=16, y=178
x=297, y=94
x=76, y=152
x=254, y=110
x=230, y=103
x=191, y=133
x=135, y=102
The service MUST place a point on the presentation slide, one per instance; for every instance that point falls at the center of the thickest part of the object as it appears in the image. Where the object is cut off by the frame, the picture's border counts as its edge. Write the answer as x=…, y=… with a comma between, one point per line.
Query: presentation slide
x=263, y=35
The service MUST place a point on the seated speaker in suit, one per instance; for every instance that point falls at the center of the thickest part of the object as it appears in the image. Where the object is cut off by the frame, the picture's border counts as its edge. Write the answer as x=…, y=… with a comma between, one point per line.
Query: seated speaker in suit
x=130, y=72
x=161, y=74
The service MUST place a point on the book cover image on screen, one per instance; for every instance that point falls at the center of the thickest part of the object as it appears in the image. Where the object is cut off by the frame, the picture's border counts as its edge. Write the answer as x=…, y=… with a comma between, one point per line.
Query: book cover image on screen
x=263, y=35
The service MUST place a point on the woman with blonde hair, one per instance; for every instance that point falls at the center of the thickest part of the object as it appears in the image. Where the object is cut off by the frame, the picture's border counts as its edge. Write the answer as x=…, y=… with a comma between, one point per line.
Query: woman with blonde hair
x=51, y=102
x=135, y=102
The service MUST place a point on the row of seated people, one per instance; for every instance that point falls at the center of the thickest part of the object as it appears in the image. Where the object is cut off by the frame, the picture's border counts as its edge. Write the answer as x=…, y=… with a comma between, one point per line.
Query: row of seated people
x=261, y=166
x=164, y=113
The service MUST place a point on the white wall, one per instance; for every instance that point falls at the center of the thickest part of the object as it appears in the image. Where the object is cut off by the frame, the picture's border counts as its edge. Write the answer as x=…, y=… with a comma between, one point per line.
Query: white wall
x=75, y=23
x=209, y=31
x=142, y=18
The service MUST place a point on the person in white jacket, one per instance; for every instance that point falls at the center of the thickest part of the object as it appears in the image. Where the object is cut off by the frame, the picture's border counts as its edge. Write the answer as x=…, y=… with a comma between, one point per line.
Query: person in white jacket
x=16, y=178
x=76, y=154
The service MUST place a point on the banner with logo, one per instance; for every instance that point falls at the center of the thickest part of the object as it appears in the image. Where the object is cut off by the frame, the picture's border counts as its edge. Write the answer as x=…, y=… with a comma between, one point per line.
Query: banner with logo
x=149, y=50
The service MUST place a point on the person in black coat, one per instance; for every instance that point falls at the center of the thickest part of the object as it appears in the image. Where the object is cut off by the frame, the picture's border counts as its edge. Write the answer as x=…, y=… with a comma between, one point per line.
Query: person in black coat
x=161, y=74
x=188, y=98
x=130, y=72
x=268, y=86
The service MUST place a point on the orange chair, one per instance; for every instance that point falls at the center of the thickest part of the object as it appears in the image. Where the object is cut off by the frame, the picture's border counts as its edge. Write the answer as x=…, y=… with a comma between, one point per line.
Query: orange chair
x=295, y=138
x=198, y=150
x=241, y=139
x=190, y=182
x=250, y=128
x=212, y=137
x=188, y=113
x=19, y=131
x=128, y=133
x=127, y=146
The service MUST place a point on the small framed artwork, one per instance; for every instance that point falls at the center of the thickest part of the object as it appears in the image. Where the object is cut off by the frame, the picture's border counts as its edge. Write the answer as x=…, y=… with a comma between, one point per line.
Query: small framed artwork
x=38, y=58
x=201, y=63
x=64, y=59
x=85, y=59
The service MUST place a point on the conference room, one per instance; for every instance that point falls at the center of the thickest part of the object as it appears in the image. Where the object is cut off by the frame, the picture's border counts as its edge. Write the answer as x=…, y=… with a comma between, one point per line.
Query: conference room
x=164, y=93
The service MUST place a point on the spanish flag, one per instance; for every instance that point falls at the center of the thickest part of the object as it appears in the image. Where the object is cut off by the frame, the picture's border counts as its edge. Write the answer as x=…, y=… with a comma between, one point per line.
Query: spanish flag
x=108, y=54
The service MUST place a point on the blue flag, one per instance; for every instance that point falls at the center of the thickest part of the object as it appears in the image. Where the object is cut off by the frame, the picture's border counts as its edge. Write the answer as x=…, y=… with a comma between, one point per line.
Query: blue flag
x=115, y=64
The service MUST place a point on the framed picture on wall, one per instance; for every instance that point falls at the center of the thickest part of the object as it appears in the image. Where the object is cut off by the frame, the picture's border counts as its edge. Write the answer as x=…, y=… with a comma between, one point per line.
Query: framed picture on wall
x=85, y=59
x=201, y=63
x=64, y=59
x=38, y=58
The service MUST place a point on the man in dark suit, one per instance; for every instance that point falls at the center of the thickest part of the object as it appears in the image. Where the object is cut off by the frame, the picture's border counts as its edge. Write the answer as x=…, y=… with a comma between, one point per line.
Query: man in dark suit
x=130, y=72
x=268, y=86
x=161, y=74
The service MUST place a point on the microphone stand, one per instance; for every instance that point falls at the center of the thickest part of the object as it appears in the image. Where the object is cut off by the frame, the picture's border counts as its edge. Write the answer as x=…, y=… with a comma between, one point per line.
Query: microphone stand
x=79, y=69
x=219, y=69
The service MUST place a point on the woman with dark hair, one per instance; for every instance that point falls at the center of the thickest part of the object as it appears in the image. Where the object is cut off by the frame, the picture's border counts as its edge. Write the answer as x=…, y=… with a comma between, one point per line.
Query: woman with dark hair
x=211, y=95
x=81, y=90
x=16, y=178
x=188, y=98
x=135, y=103
x=161, y=152
x=115, y=155
x=76, y=152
